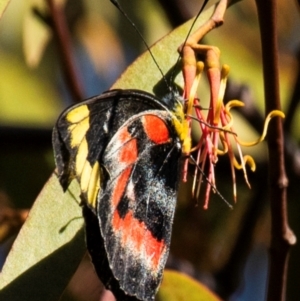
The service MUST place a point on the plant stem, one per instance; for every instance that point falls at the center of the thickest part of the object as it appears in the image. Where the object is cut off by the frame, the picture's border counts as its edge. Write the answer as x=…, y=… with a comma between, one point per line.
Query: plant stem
x=282, y=238
x=61, y=32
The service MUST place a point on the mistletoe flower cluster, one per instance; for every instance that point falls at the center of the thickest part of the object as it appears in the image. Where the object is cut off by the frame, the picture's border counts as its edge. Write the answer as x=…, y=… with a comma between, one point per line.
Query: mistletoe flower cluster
x=218, y=137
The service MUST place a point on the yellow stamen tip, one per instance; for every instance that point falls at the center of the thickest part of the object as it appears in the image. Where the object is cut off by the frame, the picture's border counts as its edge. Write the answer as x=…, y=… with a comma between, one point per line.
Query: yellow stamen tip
x=225, y=71
x=200, y=67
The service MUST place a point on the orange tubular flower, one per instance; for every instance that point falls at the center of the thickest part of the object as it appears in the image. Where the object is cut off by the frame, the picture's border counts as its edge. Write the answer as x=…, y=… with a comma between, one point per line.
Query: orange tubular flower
x=217, y=129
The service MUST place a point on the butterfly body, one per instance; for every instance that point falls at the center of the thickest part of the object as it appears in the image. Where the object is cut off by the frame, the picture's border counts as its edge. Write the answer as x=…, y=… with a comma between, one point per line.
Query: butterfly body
x=124, y=149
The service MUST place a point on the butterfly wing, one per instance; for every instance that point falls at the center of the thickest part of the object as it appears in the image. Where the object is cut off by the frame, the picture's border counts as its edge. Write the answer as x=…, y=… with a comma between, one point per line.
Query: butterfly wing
x=124, y=151
x=136, y=206
x=83, y=131
x=98, y=254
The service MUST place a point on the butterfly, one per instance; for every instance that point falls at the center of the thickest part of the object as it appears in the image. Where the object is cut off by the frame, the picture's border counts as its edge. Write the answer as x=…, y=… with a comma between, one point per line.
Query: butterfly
x=125, y=149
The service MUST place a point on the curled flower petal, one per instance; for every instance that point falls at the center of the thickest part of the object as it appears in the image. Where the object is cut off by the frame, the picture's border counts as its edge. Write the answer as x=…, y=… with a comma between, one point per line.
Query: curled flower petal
x=248, y=160
x=275, y=113
x=234, y=103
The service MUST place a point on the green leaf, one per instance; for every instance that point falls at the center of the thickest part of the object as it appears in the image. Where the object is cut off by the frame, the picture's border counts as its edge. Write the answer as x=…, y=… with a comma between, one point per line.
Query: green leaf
x=143, y=74
x=177, y=286
x=48, y=248
x=51, y=244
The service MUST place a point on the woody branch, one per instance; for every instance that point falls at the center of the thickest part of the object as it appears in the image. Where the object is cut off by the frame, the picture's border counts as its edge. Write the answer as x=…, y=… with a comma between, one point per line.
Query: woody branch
x=282, y=238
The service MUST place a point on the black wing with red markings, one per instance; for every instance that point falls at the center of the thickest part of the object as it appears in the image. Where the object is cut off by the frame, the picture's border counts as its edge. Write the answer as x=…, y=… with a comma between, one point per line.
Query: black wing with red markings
x=124, y=150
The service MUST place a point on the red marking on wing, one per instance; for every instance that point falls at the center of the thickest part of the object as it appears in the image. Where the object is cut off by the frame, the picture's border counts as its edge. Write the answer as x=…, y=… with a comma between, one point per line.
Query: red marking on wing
x=156, y=129
x=128, y=152
x=120, y=186
x=133, y=233
x=136, y=237
x=124, y=135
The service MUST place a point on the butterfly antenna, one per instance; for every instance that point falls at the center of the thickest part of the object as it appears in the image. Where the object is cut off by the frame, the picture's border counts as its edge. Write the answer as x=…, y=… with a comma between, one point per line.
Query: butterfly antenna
x=118, y=6
x=190, y=30
x=195, y=20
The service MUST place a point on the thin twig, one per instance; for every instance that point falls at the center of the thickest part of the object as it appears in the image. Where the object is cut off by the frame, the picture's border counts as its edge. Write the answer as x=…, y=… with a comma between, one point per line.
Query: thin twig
x=62, y=35
x=282, y=238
